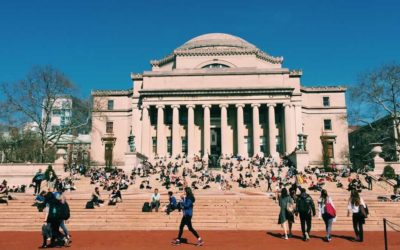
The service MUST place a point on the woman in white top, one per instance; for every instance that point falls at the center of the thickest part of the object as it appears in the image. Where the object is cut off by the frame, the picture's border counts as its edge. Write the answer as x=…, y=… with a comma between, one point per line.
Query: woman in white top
x=326, y=212
x=356, y=203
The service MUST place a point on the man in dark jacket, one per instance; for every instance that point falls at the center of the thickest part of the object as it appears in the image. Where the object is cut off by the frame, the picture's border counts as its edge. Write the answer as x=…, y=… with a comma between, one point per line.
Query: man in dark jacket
x=54, y=218
x=37, y=179
x=306, y=208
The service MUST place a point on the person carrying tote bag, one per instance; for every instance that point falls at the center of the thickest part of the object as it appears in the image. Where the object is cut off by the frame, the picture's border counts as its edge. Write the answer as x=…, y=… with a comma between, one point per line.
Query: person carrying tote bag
x=355, y=206
x=327, y=212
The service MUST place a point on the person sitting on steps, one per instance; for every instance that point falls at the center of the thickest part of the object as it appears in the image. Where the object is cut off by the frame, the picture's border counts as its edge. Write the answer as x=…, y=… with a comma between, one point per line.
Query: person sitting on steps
x=155, y=200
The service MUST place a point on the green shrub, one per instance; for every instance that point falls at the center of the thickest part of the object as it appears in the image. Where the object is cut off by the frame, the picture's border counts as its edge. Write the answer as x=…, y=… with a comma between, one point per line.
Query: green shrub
x=389, y=172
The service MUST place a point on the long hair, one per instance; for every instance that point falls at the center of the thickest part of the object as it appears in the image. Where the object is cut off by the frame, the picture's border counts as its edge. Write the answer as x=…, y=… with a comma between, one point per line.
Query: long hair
x=324, y=195
x=189, y=194
x=284, y=193
x=355, y=198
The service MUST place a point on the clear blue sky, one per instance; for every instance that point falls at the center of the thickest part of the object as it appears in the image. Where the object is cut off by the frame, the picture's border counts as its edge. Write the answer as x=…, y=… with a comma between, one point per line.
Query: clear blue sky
x=98, y=43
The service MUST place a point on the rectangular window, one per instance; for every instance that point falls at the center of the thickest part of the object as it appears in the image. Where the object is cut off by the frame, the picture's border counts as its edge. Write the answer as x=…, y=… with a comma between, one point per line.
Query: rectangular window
x=169, y=145
x=327, y=124
x=109, y=127
x=56, y=112
x=184, y=145
x=326, y=101
x=154, y=142
x=110, y=105
x=263, y=144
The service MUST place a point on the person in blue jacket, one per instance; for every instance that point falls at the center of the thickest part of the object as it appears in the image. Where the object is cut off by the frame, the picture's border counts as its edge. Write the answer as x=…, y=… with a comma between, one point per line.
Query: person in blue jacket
x=187, y=212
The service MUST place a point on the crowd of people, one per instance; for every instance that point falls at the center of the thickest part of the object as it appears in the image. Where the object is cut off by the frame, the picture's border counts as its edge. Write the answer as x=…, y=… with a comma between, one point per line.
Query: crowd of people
x=279, y=178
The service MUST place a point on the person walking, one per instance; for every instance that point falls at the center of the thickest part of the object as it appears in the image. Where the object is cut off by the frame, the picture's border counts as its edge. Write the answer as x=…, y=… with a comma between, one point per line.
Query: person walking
x=37, y=180
x=357, y=207
x=65, y=214
x=269, y=182
x=305, y=207
x=286, y=217
x=327, y=212
x=187, y=212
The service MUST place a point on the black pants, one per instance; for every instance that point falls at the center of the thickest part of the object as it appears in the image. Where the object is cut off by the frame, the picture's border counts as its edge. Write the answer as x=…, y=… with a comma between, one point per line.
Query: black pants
x=305, y=219
x=369, y=185
x=187, y=220
x=358, y=222
x=37, y=186
x=269, y=187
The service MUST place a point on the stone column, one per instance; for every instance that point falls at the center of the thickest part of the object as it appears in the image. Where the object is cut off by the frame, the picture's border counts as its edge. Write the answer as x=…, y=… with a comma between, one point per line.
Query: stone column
x=272, y=129
x=160, y=131
x=176, y=141
x=224, y=127
x=288, y=127
x=240, y=130
x=190, y=131
x=299, y=120
x=146, y=131
x=256, y=129
x=206, y=130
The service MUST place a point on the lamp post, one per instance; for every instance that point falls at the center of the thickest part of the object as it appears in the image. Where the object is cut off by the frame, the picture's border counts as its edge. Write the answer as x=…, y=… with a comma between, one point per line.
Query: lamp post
x=131, y=142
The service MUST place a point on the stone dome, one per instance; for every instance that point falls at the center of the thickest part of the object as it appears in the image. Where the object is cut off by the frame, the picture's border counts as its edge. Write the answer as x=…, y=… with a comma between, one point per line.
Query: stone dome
x=213, y=40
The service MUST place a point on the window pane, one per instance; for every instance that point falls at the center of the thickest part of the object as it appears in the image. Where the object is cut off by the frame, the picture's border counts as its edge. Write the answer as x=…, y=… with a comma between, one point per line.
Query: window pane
x=110, y=105
x=326, y=101
x=109, y=127
x=327, y=124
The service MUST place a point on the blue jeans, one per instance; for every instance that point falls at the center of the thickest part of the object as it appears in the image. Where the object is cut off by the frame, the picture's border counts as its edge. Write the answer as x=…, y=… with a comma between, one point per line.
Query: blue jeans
x=64, y=228
x=328, y=224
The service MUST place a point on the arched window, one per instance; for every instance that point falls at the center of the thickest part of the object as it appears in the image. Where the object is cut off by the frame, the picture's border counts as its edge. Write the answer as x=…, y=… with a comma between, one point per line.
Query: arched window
x=215, y=66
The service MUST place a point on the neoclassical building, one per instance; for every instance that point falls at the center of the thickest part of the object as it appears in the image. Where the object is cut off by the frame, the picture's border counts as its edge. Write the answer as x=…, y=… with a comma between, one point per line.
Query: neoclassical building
x=218, y=94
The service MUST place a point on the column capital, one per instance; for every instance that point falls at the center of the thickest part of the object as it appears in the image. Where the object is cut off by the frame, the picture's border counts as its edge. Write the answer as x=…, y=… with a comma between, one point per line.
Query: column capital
x=206, y=105
x=253, y=105
x=175, y=106
x=240, y=105
x=190, y=106
x=287, y=104
x=159, y=106
x=145, y=106
x=223, y=105
x=271, y=104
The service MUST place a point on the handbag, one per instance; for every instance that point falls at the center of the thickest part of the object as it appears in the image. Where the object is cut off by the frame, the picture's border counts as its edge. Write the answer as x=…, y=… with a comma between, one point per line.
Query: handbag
x=329, y=209
x=364, y=211
x=290, y=208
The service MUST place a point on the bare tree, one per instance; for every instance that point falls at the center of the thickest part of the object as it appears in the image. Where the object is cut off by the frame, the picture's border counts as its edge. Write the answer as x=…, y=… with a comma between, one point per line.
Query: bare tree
x=32, y=100
x=376, y=96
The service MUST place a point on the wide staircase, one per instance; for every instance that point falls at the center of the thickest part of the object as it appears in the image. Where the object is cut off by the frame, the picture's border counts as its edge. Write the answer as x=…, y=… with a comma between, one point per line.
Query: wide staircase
x=239, y=209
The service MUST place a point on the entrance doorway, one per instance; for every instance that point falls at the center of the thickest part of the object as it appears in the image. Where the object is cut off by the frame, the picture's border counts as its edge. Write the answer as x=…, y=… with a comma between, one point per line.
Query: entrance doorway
x=215, y=141
x=108, y=154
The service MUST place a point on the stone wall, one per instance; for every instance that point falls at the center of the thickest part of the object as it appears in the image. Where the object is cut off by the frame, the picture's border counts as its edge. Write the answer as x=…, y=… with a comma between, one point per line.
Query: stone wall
x=22, y=173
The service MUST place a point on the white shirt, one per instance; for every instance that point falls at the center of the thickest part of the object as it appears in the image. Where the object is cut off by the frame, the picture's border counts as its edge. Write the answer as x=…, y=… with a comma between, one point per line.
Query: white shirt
x=355, y=209
x=155, y=197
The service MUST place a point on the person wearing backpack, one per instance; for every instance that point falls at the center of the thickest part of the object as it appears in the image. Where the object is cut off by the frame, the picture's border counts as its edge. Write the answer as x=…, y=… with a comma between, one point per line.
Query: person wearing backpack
x=357, y=207
x=37, y=179
x=286, y=217
x=54, y=218
x=65, y=214
x=327, y=212
x=305, y=207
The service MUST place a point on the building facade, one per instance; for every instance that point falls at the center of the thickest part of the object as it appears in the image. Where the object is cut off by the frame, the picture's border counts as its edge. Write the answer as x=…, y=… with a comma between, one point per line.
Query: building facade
x=217, y=94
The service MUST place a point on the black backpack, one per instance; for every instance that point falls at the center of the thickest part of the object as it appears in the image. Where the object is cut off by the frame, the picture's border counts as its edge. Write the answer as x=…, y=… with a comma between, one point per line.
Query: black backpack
x=65, y=213
x=90, y=205
x=146, y=207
